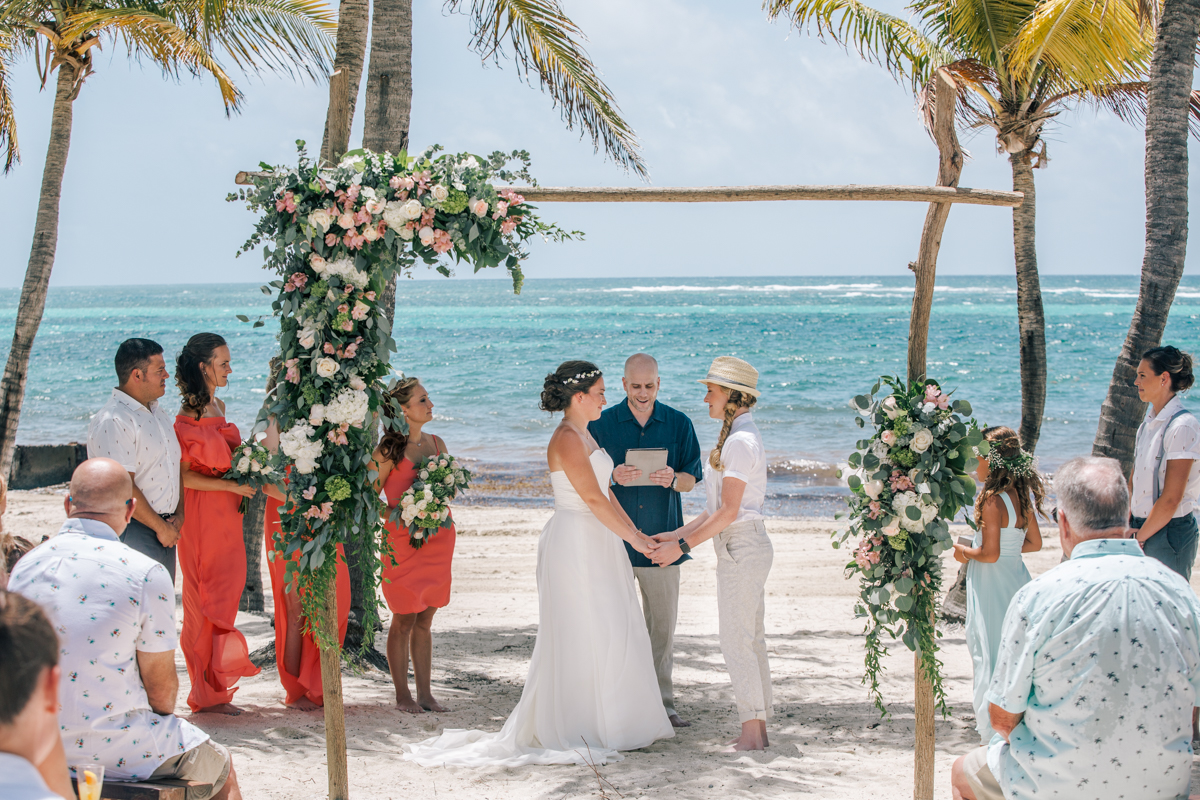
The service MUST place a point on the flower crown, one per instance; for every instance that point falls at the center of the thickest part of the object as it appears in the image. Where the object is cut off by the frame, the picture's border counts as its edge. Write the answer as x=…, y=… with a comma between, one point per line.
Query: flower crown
x=581, y=377
x=1020, y=465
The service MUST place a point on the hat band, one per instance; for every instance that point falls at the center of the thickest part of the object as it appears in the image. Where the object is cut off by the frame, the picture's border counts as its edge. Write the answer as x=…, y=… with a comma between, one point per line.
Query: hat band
x=710, y=377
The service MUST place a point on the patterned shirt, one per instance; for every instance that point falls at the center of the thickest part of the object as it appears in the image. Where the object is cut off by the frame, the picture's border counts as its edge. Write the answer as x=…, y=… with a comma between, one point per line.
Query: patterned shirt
x=1183, y=442
x=142, y=440
x=1102, y=655
x=107, y=602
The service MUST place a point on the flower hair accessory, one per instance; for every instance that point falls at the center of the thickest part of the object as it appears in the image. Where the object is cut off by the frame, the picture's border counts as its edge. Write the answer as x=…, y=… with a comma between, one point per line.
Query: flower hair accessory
x=1020, y=465
x=582, y=376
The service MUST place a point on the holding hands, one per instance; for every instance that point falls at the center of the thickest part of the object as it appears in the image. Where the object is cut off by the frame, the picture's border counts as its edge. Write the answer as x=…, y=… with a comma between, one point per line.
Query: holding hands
x=667, y=550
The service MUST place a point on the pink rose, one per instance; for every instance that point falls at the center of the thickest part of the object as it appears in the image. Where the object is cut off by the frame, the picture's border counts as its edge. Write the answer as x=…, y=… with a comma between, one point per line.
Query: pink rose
x=479, y=208
x=888, y=437
x=346, y=220
x=331, y=239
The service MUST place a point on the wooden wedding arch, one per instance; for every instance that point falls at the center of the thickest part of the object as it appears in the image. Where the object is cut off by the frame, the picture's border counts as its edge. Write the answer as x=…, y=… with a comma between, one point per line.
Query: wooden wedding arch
x=944, y=194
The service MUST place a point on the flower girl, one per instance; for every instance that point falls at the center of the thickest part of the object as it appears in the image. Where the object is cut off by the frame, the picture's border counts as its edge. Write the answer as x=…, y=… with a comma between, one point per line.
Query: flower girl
x=1007, y=527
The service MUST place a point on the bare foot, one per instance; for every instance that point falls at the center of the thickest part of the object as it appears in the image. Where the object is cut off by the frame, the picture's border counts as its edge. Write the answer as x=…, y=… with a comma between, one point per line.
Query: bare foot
x=228, y=709
x=303, y=704
x=754, y=737
x=677, y=722
x=429, y=704
x=409, y=705
x=754, y=744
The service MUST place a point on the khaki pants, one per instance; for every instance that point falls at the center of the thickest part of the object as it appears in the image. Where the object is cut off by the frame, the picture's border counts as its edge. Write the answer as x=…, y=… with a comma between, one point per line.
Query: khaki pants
x=660, y=605
x=979, y=776
x=207, y=764
x=744, y=556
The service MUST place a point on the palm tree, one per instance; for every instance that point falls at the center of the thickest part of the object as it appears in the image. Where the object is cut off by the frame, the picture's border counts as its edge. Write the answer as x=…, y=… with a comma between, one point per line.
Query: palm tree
x=1019, y=64
x=178, y=36
x=8, y=119
x=1167, y=117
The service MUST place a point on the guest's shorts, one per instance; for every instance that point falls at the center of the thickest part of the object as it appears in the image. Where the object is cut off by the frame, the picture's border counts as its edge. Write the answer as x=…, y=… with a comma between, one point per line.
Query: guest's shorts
x=207, y=764
x=145, y=541
x=975, y=769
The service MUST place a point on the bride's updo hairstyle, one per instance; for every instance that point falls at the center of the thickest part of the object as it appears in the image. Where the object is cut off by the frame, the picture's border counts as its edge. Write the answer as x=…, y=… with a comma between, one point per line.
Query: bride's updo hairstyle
x=189, y=377
x=571, y=378
x=392, y=445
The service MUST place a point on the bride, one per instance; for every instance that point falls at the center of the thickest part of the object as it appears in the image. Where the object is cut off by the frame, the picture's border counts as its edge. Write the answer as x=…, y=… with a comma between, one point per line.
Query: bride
x=591, y=689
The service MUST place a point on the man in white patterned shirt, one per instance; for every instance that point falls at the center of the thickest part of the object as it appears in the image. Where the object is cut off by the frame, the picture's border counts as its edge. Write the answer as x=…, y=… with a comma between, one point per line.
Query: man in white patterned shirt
x=136, y=432
x=114, y=611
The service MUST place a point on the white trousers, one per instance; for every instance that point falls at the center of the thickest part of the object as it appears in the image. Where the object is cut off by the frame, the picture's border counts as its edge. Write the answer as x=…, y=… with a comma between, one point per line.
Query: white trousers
x=744, y=556
x=660, y=605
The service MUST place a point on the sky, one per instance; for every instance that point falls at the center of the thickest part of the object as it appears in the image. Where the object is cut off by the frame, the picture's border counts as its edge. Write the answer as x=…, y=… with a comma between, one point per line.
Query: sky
x=717, y=94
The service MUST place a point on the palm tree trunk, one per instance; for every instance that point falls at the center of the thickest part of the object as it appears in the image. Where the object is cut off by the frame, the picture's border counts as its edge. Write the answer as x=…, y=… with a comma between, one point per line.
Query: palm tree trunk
x=252, y=539
x=353, y=19
x=1166, y=221
x=389, y=77
x=41, y=261
x=1030, y=316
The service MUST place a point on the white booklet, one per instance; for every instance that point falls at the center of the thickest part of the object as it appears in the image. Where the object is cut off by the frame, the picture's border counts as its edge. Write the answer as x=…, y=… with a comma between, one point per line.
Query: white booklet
x=648, y=460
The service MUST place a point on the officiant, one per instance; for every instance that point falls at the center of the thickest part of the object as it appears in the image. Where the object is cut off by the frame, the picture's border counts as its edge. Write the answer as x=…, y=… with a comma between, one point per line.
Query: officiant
x=641, y=422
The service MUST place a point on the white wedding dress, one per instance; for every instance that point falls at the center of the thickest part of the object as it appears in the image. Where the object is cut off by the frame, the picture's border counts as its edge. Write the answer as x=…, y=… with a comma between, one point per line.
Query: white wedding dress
x=591, y=684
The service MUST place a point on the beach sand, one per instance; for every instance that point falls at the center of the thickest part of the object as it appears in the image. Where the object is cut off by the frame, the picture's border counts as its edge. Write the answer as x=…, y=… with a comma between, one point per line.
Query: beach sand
x=827, y=740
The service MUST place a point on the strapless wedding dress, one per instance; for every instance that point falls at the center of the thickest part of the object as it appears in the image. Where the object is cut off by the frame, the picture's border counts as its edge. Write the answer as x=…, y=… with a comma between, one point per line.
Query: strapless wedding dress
x=591, y=684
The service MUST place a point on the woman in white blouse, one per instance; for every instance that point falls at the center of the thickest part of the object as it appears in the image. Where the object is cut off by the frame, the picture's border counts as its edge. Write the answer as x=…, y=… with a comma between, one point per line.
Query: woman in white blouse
x=735, y=481
x=1165, y=484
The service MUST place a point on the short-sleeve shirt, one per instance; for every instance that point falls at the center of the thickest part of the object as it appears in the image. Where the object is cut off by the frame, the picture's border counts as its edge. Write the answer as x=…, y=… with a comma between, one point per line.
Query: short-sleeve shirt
x=142, y=440
x=1102, y=655
x=744, y=458
x=20, y=780
x=653, y=509
x=1183, y=442
x=107, y=602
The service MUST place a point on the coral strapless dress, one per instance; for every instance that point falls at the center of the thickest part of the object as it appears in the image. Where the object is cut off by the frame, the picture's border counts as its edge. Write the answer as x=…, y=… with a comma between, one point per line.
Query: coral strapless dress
x=212, y=558
x=418, y=579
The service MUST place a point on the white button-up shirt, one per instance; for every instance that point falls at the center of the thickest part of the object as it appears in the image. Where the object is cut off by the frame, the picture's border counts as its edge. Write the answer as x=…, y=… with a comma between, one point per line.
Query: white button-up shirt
x=1183, y=442
x=1102, y=655
x=107, y=602
x=142, y=440
x=744, y=458
x=20, y=780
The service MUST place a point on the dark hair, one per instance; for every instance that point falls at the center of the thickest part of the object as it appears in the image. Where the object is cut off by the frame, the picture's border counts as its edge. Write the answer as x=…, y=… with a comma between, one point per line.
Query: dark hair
x=392, y=445
x=1173, y=360
x=188, y=375
x=736, y=400
x=1007, y=443
x=571, y=378
x=27, y=646
x=133, y=354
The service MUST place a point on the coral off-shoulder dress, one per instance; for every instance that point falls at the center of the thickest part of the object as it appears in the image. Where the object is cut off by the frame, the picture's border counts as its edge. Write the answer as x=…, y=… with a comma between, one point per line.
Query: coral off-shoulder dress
x=308, y=682
x=212, y=558
x=419, y=579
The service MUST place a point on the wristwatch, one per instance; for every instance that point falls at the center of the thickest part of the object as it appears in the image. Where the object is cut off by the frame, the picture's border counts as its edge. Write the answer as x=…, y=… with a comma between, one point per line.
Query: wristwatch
x=684, y=546
x=675, y=483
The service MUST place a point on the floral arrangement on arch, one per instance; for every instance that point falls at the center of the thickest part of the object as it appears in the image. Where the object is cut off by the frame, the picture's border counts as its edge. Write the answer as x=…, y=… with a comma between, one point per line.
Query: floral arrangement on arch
x=336, y=236
x=909, y=480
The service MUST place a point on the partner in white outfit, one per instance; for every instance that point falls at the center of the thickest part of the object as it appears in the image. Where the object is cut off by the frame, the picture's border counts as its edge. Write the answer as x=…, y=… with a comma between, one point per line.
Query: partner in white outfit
x=591, y=690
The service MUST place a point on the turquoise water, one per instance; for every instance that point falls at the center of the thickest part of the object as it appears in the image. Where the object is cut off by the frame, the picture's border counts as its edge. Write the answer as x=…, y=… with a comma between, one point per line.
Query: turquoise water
x=483, y=352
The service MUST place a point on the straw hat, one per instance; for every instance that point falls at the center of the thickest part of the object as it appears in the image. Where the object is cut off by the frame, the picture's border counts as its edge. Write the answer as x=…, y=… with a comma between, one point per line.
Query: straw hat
x=733, y=373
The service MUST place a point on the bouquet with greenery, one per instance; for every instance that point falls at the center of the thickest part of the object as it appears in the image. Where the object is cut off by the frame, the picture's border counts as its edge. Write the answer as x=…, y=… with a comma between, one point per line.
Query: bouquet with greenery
x=425, y=507
x=908, y=481
x=253, y=465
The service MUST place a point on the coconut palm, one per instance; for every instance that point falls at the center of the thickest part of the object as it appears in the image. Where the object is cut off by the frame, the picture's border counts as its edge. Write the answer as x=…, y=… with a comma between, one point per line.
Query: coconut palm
x=1018, y=63
x=1170, y=98
x=192, y=36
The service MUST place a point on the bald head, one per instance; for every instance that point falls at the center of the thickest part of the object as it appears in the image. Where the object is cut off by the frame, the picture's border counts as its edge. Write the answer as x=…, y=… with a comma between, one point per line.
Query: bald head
x=642, y=365
x=101, y=489
x=641, y=384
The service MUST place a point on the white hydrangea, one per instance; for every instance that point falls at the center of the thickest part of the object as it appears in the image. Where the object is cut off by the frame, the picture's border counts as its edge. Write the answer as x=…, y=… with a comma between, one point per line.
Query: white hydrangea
x=297, y=444
x=344, y=269
x=903, y=500
x=348, y=408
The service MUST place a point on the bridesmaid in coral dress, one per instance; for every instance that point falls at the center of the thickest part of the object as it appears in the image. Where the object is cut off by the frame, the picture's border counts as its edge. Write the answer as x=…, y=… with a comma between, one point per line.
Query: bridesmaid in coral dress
x=416, y=583
x=212, y=554
x=297, y=657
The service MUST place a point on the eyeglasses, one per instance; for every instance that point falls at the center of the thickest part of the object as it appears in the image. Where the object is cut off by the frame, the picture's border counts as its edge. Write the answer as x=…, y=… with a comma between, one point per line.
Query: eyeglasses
x=1054, y=515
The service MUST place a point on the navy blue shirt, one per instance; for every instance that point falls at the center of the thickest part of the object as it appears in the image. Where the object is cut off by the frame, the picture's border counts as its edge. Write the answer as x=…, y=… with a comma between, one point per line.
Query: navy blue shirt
x=653, y=509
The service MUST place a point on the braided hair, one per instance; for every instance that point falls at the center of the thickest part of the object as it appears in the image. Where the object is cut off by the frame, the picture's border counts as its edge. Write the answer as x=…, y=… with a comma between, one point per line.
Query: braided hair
x=189, y=376
x=393, y=443
x=1022, y=478
x=736, y=401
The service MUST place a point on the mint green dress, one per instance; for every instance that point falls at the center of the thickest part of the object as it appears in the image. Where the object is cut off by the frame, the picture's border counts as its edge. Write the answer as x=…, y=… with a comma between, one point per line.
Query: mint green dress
x=990, y=588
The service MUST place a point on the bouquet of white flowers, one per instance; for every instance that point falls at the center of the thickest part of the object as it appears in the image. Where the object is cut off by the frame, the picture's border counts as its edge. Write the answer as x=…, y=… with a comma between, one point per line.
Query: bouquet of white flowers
x=425, y=507
x=253, y=465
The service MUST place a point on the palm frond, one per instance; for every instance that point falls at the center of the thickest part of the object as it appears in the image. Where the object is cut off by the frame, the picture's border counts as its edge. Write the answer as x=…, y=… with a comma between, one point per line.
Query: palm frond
x=979, y=29
x=8, y=116
x=879, y=38
x=1127, y=101
x=544, y=40
x=1082, y=43
x=978, y=92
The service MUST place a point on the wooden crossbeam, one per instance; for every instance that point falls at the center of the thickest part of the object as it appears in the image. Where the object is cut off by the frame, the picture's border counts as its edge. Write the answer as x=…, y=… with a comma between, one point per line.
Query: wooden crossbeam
x=735, y=194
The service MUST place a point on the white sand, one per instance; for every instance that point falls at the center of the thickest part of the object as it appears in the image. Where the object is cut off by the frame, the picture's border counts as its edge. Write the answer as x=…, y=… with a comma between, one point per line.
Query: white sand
x=827, y=740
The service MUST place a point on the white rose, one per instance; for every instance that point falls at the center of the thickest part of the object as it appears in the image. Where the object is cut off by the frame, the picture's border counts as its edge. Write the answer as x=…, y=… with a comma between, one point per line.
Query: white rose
x=267, y=470
x=316, y=414
x=244, y=465
x=424, y=475
x=367, y=193
x=928, y=408
x=370, y=234
x=449, y=481
x=426, y=234
x=921, y=440
x=412, y=209
x=890, y=407
x=891, y=529
x=478, y=207
x=873, y=489
x=321, y=218
x=255, y=466
x=440, y=193
x=419, y=534
x=406, y=501
x=428, y=493
x=307, y=338
x=327, y=367
x=357, y=383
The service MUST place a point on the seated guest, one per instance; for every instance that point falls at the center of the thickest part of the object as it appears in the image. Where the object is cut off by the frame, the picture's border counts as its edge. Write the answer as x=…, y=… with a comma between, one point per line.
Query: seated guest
x=31, y=752
x=114, y=611
x=1099, y=664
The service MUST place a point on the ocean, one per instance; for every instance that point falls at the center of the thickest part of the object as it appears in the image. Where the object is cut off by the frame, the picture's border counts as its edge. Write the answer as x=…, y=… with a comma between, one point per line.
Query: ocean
x=483, y=353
